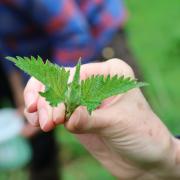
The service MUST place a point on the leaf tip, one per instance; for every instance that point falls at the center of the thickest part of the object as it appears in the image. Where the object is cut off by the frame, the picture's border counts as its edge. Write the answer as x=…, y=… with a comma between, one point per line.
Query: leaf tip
x=141, y=84
x=79, y=60
x=12, y=59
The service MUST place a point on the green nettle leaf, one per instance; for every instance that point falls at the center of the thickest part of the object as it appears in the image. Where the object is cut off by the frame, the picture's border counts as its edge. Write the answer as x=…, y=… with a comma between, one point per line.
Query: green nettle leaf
x=97, y=88
x=90, y=92
x=73, y=95
x=54, y=78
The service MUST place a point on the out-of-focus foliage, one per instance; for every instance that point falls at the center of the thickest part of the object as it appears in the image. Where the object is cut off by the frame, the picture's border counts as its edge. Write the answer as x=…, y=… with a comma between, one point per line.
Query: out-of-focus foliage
x=154, y=37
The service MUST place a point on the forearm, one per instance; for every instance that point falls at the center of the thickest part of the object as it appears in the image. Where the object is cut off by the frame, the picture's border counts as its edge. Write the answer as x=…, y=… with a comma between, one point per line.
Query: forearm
x=166, y=169
x=171, y=168
x=150, y=148
x=167, y=165
x=162, y=157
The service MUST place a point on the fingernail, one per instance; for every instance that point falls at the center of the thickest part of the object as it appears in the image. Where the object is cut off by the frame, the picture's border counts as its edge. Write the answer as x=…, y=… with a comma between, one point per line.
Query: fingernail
x=32, y=118
x=30, y=98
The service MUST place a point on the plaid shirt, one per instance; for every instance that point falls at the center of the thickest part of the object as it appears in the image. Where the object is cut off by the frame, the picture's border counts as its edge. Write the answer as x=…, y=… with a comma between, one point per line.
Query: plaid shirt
x=68, y=28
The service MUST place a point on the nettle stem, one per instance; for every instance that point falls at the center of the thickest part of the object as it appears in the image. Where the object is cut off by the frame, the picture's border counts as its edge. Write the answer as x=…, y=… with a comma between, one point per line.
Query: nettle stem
x=67, y=113
x=71, y=103
x=69, y=110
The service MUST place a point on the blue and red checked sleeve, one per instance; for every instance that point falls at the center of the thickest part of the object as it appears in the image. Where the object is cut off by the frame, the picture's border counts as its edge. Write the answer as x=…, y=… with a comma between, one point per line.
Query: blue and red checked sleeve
x=74, y=28
x=78, y=28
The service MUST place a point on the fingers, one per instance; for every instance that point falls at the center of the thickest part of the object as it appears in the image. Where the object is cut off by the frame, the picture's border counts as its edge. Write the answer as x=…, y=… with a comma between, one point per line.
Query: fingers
x=93, y=69
x=113, y=67
x=46, y=117
x=45, y=114
x=40, y=113
x=59, y=114
x=32, y=118
x=117, y=66
x=31, y=94
x=29, y=131
x=82, y=122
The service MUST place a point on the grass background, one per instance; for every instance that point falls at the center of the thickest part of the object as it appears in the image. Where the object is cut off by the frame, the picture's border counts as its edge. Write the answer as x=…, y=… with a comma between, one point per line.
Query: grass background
x=154, y=37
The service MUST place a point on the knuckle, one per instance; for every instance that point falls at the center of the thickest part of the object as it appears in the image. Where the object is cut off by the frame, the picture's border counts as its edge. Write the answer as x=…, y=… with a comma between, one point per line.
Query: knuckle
x=121, y=66
x=57, y=120
x=42, y=103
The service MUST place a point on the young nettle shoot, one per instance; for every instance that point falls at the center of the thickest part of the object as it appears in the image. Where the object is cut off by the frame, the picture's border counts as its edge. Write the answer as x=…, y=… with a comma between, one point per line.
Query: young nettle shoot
x=89, y=92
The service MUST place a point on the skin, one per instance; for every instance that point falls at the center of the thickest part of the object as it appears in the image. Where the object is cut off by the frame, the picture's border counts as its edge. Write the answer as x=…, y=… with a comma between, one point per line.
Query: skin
x=123, y=134
x=17, y=86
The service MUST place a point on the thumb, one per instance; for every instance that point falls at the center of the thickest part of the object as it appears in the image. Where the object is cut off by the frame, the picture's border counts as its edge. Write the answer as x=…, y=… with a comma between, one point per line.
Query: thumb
x=82, y=122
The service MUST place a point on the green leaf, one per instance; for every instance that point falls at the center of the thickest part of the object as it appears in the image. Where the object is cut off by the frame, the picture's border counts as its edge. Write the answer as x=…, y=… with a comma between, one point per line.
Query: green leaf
x=74, y=91
x=97, y=88
x=90, y=92
x=54, y=78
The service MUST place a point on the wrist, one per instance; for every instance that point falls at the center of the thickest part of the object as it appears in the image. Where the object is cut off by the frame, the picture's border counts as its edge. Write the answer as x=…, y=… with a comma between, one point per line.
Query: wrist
x=169, y=167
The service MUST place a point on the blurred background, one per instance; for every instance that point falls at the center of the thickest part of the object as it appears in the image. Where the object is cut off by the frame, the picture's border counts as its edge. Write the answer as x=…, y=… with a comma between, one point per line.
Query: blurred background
x=148, y=38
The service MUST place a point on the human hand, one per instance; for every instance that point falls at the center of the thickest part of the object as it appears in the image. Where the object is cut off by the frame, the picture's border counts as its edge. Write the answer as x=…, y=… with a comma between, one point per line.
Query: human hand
x=17, y=87
x=123, y=133
x=28, y=131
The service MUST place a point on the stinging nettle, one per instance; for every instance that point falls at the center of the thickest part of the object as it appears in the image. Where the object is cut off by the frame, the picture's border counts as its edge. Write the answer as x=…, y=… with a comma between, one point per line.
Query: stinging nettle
x=89, y=92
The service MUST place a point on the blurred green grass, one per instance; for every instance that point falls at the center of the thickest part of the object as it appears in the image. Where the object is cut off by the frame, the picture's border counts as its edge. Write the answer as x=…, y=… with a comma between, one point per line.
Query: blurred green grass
x=154, y=37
